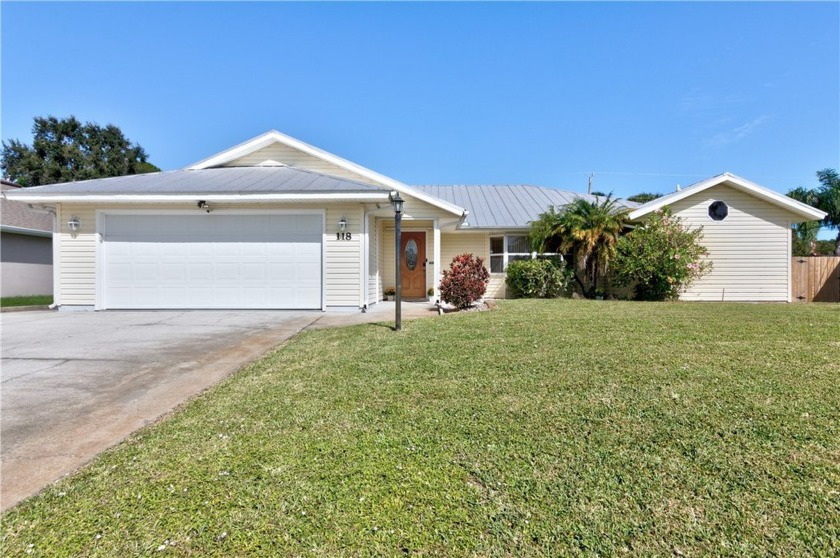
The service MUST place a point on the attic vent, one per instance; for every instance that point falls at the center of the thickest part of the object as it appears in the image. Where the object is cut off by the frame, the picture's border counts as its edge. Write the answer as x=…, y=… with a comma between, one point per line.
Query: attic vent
x=271, y=163
x=718, y=211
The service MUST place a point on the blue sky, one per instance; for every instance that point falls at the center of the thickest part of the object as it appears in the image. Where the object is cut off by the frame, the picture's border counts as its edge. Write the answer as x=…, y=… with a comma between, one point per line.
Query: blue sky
x=646, y=95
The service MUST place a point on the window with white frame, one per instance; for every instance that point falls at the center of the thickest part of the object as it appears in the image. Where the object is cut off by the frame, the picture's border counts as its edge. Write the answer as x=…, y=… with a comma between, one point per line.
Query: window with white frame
x=508, y=248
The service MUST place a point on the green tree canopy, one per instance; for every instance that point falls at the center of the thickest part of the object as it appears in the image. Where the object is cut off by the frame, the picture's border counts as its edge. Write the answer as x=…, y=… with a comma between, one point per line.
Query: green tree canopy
x=825, y=197
x=643, y=197
x=588, y=230
x=65, y=150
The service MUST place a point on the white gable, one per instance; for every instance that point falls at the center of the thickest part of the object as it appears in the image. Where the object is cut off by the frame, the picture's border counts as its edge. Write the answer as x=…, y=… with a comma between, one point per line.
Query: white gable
x=276, y=146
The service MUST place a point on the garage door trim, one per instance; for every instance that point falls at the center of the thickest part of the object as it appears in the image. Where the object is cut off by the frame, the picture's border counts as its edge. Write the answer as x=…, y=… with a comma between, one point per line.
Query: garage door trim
x=99, y=253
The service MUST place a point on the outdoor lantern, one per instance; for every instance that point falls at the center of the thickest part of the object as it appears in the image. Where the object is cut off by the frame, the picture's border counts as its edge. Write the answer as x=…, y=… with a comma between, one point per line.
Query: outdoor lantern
x=74, y=223
x=342, y=224
x=397, y=201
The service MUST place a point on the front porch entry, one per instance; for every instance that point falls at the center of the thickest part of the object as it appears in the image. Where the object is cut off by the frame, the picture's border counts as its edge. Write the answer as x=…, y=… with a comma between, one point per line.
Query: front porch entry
x=413, y=262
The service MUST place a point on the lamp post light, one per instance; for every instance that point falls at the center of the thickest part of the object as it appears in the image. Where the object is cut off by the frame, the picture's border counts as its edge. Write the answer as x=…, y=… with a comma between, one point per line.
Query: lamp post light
x=397, y=202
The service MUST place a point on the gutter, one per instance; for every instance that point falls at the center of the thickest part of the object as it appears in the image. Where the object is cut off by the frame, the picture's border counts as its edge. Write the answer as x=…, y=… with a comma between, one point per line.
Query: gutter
x=26, y=231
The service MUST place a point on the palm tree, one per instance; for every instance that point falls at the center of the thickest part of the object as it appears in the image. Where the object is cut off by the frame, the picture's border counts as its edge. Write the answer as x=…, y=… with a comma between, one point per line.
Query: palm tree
x=805, y=234
x=589, y=230
x=828, y=199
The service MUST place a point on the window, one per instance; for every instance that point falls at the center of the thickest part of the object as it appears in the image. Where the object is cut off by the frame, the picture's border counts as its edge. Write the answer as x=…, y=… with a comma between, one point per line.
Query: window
x=506, y=249
x=718, y=211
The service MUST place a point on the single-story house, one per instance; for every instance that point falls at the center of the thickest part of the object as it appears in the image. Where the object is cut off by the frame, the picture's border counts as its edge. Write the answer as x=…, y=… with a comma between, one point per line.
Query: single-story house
x=277, y=223
x=26, y=254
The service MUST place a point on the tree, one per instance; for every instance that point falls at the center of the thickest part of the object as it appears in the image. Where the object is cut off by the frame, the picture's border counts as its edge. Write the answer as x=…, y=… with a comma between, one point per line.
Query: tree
x=805, y=234
x=65, y=150
x=661, y=257
x=588, y=230
x=643, y=197
x=827, y=198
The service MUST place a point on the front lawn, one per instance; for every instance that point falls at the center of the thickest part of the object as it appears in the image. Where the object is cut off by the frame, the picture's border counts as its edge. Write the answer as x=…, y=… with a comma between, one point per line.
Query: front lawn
x=542, y=428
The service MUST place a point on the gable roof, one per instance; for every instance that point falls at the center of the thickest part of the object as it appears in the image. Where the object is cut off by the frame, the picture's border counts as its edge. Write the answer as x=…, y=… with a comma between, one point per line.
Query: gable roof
x=18, y=217
x=803, y=210
x=506, y=206
x=273, y=136
x=243, y=182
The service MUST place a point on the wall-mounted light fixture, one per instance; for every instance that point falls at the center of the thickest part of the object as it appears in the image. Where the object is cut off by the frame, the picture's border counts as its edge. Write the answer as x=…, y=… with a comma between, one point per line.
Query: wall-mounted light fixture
x=74, y=223
x=342, y=224
x=203, y=205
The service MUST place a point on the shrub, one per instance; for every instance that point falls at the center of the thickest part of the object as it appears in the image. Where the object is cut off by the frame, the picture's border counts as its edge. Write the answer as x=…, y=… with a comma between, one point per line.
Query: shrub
x=465, y=281
x=662, y=257
x=548, y=278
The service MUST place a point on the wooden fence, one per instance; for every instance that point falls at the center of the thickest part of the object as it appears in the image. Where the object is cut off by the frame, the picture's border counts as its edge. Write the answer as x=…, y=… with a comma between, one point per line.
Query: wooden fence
x=816, y=279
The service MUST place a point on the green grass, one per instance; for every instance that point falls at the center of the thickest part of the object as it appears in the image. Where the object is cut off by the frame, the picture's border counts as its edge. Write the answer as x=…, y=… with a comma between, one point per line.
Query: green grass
x=34, y=300
x=542, y=428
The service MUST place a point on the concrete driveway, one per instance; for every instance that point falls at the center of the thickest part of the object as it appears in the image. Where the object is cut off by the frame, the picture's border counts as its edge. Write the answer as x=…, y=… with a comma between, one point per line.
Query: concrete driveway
x=76, y=383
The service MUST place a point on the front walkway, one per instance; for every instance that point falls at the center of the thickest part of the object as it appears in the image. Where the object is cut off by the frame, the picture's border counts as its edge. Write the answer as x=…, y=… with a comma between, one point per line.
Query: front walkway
x=77, y=383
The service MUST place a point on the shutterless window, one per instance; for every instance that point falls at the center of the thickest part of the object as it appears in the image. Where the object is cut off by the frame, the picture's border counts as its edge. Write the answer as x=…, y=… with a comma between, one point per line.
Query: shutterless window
x=506, y=249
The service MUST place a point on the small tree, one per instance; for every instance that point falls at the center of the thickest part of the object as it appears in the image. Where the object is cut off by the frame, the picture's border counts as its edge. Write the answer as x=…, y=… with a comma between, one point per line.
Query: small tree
x=465, y=282
x=662, y=257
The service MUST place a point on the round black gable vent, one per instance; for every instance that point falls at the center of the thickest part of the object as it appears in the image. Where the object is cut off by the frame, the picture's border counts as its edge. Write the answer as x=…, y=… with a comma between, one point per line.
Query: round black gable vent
x=718, y=211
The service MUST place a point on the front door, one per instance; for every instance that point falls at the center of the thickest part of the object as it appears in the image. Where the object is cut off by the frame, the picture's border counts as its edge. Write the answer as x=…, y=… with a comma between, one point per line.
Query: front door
x=413, y=263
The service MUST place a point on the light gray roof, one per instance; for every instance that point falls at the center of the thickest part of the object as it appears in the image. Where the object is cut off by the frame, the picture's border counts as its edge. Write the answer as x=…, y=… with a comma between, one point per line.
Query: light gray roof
x=250, y=180
x=506, y=207
x=18, y=215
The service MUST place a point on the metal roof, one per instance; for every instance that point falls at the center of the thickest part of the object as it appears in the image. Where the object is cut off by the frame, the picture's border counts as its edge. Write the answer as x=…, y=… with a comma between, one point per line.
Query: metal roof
x=228, y=180
x=508, y=206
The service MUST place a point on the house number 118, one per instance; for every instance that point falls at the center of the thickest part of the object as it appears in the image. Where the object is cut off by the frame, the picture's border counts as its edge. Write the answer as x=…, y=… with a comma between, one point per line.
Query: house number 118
x=343, y=236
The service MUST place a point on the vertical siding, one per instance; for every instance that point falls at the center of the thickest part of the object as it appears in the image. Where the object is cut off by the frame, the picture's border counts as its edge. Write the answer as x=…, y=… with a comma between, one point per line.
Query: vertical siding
x=749, y=250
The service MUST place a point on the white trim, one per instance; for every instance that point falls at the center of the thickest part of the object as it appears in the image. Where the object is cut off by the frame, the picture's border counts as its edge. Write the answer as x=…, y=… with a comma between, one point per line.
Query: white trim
x=363, y=278
x=100, y=263
x=789, y=262
x=192, y=198
x=436, y=256
x=26, y=231
x=273, y=136
x=56, y=250
x=799, y=208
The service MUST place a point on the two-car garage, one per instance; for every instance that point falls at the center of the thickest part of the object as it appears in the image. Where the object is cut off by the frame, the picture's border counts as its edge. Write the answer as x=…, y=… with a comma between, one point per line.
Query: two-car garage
x=210, y=260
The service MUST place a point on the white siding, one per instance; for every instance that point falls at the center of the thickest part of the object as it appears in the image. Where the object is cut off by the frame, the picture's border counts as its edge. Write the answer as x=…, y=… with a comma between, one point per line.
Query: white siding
x=77, y=256
x=750, y=249
x=342, y=265
x=294, y=158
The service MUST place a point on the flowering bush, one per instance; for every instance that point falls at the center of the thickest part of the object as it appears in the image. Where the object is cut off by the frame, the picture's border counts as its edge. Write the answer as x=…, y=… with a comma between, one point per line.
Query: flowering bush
x=465, y=281
x=662, y=257
x=547, y=278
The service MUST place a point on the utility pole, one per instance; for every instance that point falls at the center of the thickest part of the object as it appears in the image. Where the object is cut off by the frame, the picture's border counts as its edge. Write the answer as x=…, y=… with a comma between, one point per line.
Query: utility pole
x=589, y=187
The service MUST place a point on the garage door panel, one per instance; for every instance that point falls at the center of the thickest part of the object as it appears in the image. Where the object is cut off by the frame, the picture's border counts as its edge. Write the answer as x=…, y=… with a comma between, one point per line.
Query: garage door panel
x=212, y=261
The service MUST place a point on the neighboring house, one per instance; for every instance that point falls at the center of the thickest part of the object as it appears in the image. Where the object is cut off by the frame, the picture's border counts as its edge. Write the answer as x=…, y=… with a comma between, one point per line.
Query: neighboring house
x=26, y=255
x=275, y=223
x=747, y=232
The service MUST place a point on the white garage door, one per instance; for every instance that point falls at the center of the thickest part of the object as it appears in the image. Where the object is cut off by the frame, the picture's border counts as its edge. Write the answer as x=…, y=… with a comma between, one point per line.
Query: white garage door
x=211, y=260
